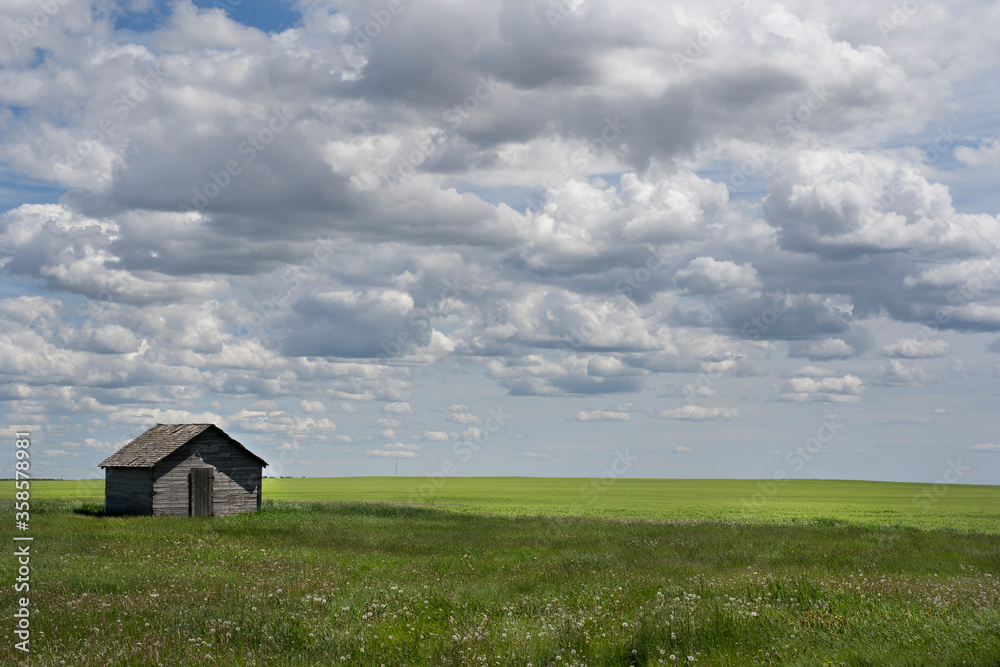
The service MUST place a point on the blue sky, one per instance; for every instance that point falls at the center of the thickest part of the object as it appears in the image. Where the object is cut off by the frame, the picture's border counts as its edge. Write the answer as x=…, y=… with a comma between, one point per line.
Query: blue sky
x=516, y=236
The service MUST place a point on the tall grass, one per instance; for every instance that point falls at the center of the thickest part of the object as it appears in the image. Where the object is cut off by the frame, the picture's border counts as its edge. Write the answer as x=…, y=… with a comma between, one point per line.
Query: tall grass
x=374, y=584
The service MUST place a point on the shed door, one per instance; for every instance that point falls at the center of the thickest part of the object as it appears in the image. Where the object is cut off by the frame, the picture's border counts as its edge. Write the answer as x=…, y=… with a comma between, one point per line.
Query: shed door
x=201, y=491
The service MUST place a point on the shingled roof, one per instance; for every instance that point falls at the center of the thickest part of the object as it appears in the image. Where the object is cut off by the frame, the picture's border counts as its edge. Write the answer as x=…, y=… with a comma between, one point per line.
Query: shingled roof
x=159, y=442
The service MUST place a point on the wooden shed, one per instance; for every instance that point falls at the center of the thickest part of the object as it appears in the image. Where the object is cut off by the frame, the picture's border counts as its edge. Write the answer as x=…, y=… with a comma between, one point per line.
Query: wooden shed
x=183, y=470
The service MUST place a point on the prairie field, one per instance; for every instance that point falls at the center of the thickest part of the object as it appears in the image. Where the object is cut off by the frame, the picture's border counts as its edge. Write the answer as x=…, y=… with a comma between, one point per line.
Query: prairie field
x=521, y=571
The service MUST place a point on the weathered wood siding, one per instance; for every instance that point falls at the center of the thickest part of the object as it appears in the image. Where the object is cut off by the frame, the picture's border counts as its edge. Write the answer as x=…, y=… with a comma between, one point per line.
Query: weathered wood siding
x=128, y=491
x=237, y=483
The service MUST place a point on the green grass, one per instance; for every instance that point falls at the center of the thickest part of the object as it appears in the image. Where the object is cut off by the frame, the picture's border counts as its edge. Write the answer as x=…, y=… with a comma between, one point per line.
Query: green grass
x=309, y=583
x=482, y=582
x=874, y=504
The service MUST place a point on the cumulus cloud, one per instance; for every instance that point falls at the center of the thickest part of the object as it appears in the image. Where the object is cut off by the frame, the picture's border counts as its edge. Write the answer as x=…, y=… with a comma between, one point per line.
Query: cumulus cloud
x=602, y=416
x=828, y=348
x=916, y=348
x=606, y=218
x=987, y=154
x=985, y=447
x=538, y=454
x=706, y=275
x=902, y=374
x=464, y=418
x=895, y=421
x=812, y=384
x=840, y=204
x=697, y=413
x=394, y=450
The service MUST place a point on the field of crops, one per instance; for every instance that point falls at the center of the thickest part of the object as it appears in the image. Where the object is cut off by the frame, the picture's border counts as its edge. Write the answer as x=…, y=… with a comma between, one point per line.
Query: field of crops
x=495, y=573
x=873, y=504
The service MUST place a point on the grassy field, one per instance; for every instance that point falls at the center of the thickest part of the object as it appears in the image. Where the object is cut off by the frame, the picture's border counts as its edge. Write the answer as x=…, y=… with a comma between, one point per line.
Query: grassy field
x=873, y=504
x=478, y=580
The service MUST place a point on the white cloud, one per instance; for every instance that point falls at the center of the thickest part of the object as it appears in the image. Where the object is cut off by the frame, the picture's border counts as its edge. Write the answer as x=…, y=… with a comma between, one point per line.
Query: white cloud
x=985, y=447
x=828, y=348
x=987, y=154
x=680, y=449
x=394, y=450
x=905, y=420
x=707, y=275
x=435, y=436
x=472, y=433
x=815, y=372
x=822, y=387
x=902, y=374
x=698, y=413
x=916, y=348
x=538, y=454
x=587, y=231
x=602, y=416
x=464, y=418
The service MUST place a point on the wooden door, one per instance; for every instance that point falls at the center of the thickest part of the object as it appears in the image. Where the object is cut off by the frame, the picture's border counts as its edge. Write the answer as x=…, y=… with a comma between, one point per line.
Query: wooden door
x=201, y=491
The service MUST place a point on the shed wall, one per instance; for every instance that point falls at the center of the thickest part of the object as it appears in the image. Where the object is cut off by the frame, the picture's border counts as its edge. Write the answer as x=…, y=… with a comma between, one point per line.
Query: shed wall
x=128, y=491
x=237, y=483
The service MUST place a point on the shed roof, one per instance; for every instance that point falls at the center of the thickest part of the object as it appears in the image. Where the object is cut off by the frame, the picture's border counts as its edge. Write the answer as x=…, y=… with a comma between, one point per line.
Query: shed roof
x=159, y=442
